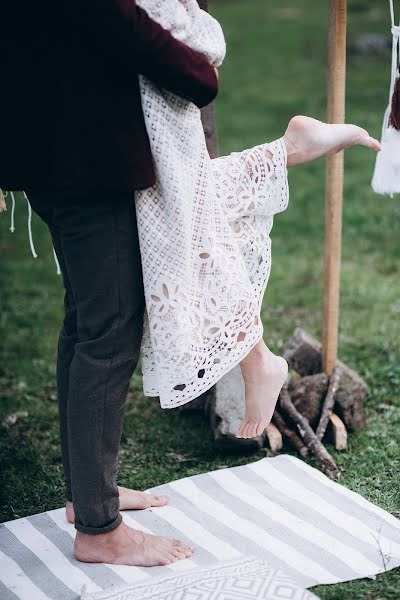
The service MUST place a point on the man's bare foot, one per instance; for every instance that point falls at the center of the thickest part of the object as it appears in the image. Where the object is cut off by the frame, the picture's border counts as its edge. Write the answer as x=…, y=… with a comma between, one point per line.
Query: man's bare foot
x=126, y=546
x=308, y=139
x=264, y=374
x=128, y=500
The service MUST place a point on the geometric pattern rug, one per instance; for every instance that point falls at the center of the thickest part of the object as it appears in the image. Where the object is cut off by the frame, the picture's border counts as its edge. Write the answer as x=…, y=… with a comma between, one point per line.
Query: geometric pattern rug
x=268, y=529
x=249, y=579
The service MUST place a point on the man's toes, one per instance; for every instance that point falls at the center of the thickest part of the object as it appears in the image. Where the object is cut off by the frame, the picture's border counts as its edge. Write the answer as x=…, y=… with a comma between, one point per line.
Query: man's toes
x=178, y=555
x=172, y=556
x=184, y=552
x=181, y=547
x=158, y=500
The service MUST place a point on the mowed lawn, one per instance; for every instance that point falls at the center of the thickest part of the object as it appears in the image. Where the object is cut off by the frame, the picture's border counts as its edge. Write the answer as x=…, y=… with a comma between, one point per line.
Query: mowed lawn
x=275, y=68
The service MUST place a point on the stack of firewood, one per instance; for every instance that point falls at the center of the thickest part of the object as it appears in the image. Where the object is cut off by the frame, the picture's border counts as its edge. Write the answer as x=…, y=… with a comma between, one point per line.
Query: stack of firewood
x=313, y=407
x=292, y=423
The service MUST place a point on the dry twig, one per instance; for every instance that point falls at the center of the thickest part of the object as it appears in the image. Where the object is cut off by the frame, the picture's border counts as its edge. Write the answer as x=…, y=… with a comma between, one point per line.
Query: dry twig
x=308, y=436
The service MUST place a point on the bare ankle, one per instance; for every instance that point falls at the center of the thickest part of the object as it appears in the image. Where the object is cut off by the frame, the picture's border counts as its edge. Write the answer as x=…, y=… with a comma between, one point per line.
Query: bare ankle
x=99, y=537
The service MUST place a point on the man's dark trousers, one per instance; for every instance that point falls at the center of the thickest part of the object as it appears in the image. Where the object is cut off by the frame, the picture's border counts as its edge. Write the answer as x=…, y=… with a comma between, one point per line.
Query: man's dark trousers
x=96, y=241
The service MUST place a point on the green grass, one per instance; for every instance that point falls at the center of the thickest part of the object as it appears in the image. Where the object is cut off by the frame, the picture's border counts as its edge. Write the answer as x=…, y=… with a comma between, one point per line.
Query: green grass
x=275, y=68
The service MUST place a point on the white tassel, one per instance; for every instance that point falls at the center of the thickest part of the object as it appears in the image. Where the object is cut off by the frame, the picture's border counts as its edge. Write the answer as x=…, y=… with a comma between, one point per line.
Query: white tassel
x=30, y=227
x=12, y=228
x=56, y=261
x=386, y=179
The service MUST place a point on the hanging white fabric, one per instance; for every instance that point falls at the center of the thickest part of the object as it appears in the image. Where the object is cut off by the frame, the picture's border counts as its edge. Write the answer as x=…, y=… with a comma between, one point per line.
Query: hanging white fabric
x=386, y=177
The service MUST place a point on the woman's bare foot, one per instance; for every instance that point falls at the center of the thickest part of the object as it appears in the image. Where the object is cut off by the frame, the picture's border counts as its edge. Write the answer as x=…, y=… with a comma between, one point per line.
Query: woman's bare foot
x=308, y=139
x=126, y=546
x=128, y=500
x=264, y=374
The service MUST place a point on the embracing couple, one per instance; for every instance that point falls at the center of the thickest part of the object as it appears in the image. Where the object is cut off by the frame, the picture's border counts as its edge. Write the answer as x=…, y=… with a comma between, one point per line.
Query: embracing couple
x=164, y=253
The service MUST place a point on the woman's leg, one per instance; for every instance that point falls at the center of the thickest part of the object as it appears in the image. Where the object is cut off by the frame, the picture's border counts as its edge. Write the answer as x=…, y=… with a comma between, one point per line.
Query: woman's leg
x=307, y=139
x=253, y=188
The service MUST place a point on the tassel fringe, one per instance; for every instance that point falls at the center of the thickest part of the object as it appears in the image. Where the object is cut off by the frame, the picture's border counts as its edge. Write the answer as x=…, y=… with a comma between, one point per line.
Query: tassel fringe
x=30, y=227
x=12, y=227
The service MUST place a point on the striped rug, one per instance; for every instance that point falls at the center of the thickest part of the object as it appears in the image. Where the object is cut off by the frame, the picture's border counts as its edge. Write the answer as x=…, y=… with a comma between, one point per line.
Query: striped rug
x=278, y=511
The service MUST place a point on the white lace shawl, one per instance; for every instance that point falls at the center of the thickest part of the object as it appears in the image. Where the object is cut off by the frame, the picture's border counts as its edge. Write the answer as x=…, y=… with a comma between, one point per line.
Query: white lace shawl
x=203, y=230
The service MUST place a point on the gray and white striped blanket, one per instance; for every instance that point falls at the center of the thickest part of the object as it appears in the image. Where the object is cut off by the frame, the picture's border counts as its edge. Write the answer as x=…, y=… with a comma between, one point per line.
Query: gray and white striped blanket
x=279, y=512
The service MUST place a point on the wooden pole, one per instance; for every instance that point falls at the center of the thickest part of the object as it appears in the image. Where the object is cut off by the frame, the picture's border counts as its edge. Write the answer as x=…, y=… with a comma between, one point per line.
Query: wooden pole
x=334, y=185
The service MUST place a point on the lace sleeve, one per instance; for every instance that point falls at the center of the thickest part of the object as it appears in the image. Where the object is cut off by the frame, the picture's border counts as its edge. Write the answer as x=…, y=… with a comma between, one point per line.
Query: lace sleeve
x=253, y=182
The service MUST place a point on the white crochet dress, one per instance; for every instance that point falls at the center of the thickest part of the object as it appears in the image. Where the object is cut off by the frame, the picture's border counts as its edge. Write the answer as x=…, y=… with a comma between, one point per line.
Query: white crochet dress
x=203, y=230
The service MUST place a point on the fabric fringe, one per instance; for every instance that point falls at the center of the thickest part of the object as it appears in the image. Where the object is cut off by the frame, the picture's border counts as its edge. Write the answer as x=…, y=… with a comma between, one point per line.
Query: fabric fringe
x=30, y=227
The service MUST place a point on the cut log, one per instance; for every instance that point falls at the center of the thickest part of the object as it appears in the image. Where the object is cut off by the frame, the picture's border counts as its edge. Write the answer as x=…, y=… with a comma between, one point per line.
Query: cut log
x=337, y=432
x=308, y=394
x=329, y=401
x=291, y=435
x=308, y=436
x=303, y=353
x=274, y=437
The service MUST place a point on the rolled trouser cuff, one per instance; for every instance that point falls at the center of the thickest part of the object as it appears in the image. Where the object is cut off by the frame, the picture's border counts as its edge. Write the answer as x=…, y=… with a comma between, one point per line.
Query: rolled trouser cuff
x=97, y=530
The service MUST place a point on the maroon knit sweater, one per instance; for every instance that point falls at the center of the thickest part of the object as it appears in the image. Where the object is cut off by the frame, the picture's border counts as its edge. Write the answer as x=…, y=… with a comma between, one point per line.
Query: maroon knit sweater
x=70, y=109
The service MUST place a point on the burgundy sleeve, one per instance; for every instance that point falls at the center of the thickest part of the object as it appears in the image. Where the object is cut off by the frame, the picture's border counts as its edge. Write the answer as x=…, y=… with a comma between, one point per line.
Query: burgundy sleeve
x=171, y=64
x=127, y=35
